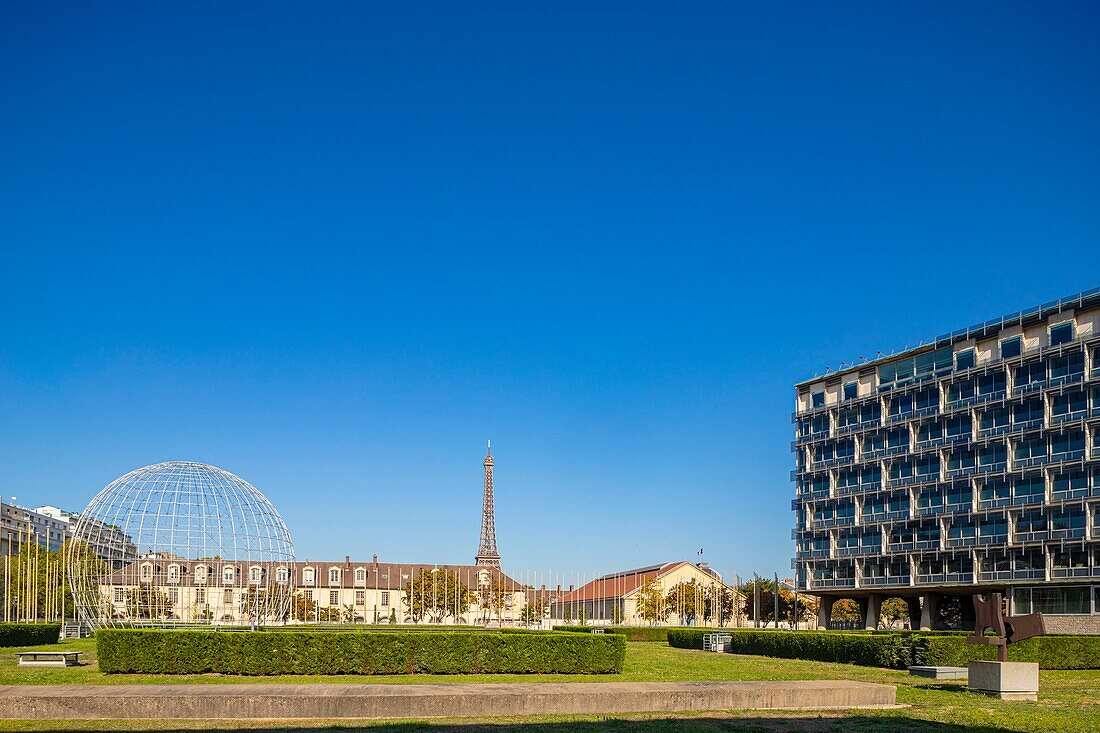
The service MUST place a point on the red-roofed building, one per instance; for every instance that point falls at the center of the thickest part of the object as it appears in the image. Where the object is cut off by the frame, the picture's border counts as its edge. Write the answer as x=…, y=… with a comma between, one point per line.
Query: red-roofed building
x=614, y=598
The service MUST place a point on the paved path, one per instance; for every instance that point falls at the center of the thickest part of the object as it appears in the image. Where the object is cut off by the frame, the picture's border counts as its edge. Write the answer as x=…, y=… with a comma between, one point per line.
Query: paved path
x=366, y=700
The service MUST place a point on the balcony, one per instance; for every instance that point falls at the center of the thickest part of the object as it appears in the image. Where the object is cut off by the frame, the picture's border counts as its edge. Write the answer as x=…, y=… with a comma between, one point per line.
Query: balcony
x=902, y=547
x=960, y=472
x=998, y=467
x=1068, y=533
x=993, y=431
x=990, y=576
x=1066, y=379
x=1069, y=455
x=833, y=583
x=927, y=544
x=932, y=511
x=1030, y=461
x=1069, y=417
x=998, y=394
x=1035, y=386
x=1037, y=536
x=835, y=522
x=814, y=554
x=897, y=514
x=1082, y=493
x=1080, y=572
x=992, y=539
x=878, y=582
x=954, y=542
x=901, y=481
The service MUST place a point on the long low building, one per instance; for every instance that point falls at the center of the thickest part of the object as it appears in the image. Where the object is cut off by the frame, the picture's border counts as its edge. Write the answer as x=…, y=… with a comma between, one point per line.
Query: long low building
x=164, y=588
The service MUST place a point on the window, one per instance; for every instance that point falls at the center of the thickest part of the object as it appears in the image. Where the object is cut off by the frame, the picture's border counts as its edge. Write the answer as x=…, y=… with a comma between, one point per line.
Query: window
x=928, y=465
x=1011, y=348
x=961, y=390
x=333, y=576
x=992, y=455
x=1030, y=373
x=960, y=459
x=1031, y=447
x=959, y=426
x=120, y=596
x=851, y=390
x=1029, y=488
x=146, y=572
x=820, y=425
x=228, y=574
x=930, y=431
x=360, y=575
x=200, y=595
x=874, y=443
x=1061, y=333
x=255, y=574
x=1070, y=482
x=991, y=384
x=308, y=576
x=964, y=359
x=200, y=574
x=995, y=418
x=1069, y=403
x=872, y=411
x=960, y=494
x=1053, y=601
x=1072, y=441
x=995, y=490
x=993, y=527
x=817, y=399
x=385, y=598
x=927, y=399
x=898, y=438
x=173, y=573
x=901, y=405
x=1028, y=411
x=334, y=598
x=281, y=575
x=1068, y=365
x=848, y=417
x=360, y=597
x=228, y=596
x=309, y=595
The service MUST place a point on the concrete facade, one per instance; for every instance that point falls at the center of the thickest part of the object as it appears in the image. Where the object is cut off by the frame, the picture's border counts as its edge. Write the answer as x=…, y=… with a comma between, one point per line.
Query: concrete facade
x=971, y=464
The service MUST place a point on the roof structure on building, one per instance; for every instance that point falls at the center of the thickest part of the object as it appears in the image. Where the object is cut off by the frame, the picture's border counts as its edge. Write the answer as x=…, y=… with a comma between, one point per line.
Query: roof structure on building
x=619, y=584
x=1078, y=301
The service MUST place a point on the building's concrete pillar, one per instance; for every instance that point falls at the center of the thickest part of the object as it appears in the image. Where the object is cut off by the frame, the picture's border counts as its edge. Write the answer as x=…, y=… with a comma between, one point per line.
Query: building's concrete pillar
x=864, y=606
x=930, y=604
x=874, y=607
x=824, y=610
x=913, y=602
x=969, y=617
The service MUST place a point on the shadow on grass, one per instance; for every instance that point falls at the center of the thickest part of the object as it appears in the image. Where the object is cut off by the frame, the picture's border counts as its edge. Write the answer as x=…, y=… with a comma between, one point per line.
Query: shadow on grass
x=761, y=724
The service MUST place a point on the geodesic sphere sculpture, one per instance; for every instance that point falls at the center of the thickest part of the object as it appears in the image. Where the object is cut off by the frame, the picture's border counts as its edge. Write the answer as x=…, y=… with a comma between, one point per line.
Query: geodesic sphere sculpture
x=180, y=543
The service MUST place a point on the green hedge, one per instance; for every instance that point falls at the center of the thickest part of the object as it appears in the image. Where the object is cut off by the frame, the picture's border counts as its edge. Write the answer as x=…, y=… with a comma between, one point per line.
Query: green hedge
x=822, y=646
x=899, y=650
x=356, y=652
x=29, y=634
x=638, y=633
x=1051, y=652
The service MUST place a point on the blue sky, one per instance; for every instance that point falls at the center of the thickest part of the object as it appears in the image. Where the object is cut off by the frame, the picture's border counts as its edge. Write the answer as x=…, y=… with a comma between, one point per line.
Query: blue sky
x=332, y=248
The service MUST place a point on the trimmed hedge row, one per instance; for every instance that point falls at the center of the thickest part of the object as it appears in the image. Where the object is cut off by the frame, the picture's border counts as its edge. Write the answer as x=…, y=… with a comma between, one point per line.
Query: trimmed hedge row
x=641, y=633
x=356, y=652
x=899, y=650
x=828, y=646
x=29, y=634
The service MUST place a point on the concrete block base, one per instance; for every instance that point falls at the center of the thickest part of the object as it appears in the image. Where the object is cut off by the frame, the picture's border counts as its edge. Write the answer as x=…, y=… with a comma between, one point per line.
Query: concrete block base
x=1005, y=680
x=328, y=701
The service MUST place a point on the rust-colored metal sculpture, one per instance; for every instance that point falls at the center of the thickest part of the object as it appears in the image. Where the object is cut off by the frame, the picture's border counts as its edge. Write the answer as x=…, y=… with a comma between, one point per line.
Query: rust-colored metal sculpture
x=1006, y=629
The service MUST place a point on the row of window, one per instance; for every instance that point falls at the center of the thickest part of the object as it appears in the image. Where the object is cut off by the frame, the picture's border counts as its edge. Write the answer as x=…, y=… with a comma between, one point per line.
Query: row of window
x=1027, y=413
x=939, y=363
x=1065, y=483
x=228, y=596
x=256, y=574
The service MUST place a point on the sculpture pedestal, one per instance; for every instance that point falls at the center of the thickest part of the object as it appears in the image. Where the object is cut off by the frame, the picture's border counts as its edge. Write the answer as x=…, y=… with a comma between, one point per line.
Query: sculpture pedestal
x=1005, y=680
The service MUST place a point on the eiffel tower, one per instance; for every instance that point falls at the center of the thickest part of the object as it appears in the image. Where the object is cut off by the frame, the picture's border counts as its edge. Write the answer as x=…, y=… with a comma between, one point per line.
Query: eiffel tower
x=487, y=550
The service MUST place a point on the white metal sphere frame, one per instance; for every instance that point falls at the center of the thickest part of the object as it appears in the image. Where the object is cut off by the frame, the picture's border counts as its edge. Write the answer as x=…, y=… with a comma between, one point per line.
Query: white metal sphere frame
x=180, y=543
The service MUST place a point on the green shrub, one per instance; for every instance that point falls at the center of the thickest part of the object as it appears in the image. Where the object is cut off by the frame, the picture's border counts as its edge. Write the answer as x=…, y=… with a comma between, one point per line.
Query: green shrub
x=823, y=646
x=29, y=634
x=357, y=652
x=1051, y=652
x=636, y=633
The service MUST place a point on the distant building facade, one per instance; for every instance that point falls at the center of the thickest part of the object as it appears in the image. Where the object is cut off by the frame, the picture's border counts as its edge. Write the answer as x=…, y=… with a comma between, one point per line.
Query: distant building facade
x=967, y=465
x=620, y=597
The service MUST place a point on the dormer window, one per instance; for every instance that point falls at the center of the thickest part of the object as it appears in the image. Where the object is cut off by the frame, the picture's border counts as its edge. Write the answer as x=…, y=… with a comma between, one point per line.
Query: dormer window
x=1061, y=333
x=173, y=573
x=280, y=575
x=334, y=576
x=146, y=572
x=308, y=576
x=200, y=575
x=360, y=576
x=255, y=574
x=228, y=575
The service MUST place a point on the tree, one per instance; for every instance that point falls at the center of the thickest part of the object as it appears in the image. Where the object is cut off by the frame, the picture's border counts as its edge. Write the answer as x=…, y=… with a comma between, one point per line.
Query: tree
x=303, y=608
x=685, y=600
x=493, y=598
x=845, y=609
x=894, y=612
x=147, y=603
x=534, y=611
x=719, y=603
x=393, y=615
x=807, y=608
x=767, y=600
x=436, y=595
x=650, y=603
x=347, y=614
x=617, y=612
x=329, y=614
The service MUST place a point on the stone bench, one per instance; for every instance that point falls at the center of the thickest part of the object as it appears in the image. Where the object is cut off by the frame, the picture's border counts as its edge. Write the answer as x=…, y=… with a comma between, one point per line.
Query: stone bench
x=48, y=659
x=939, y=673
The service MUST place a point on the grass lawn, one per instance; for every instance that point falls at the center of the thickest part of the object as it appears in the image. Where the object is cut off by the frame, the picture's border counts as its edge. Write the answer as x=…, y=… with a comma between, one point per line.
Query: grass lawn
x=1068, y=700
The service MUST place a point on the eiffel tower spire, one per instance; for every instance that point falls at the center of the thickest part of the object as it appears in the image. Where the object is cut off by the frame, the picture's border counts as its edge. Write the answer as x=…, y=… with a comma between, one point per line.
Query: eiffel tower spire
x=487, y=549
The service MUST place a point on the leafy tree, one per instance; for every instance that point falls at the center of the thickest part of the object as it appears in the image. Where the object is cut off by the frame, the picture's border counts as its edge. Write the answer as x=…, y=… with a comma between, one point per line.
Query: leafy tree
x=534, y=611
x=347, y=614
x=894, y=612
x=146, y=603
x=767, y=600
x=303, y=608
x=393, y=615
x=807, y=608
x=719, y=603
x=686, y=600
x=436, y=595
x=493, y=598
x=617, y=612
x=329, y=614
x=650, y=603
x=846, y=609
